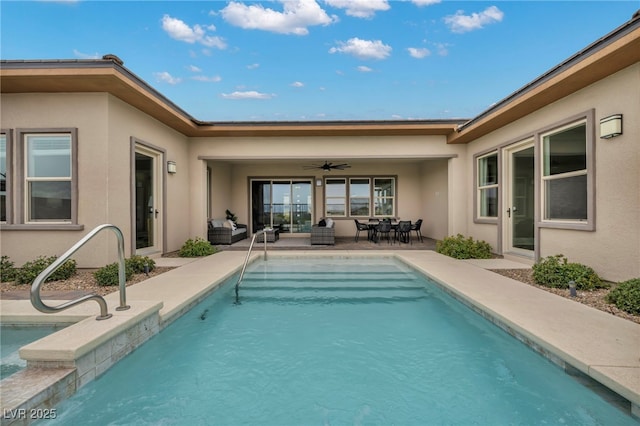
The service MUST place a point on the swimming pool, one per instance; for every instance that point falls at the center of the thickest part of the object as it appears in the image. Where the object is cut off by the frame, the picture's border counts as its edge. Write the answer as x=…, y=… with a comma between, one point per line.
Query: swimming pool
x=333, y=341
x=12, y=338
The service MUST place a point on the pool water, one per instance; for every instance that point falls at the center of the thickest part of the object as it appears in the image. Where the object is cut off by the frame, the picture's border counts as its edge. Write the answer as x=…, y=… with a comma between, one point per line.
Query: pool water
x=335, y=342
x=12, y=338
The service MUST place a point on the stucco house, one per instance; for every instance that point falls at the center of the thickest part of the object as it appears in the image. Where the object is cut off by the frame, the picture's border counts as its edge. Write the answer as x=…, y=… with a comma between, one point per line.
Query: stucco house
x=552, y=168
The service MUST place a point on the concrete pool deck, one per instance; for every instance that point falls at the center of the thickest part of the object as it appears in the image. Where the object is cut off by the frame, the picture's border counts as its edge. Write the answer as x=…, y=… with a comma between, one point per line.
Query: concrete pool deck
x=575, y=336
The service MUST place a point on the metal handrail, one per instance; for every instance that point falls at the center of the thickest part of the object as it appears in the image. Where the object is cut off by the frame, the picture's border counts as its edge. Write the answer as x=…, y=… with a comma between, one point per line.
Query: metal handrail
x=246, y=260
x=37, y=302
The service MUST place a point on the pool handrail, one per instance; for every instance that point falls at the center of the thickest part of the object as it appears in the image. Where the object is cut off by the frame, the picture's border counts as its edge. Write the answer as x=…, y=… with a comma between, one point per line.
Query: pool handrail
x=36, y=299
x=246, y=260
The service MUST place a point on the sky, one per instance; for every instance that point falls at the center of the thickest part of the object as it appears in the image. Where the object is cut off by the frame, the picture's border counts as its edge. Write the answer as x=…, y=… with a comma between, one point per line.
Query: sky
x=317, y=60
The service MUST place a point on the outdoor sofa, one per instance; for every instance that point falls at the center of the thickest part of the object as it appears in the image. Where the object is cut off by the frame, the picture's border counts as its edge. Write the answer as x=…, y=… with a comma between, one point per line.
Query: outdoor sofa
x=221, y=231
x=324, y=233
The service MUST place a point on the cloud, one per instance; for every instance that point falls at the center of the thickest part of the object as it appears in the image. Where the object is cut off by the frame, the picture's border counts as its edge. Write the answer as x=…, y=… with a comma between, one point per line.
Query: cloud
x=167, y=78
x=206, y=79
x=460, y=23
x=419, y=52
x=421, y=3
x=81, y=55
x=360, y=8
x=296, y=16
x=193, y=68
x=253, y=66
x=363, y=68
x=297, y=84
x=251, y=94
x=179, y=30
x=363, y=49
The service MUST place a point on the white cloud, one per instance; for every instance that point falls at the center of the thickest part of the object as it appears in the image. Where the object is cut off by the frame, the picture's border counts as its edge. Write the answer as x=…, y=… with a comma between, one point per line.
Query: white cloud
x=460, y=23
x=419, y=52
x=297, y=84
x=193, y=68
x=251, y=94
x=360, y=8
x=421, y=3
x=179, y=30
x=81, y=55
x=363, y=49
x=253, y=66
x=295, y=17
x=206, y=79
x=363, y=68
x=165, y=77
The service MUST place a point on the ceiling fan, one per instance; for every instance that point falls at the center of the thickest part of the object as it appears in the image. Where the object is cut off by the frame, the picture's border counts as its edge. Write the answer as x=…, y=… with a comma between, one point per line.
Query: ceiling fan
x=327, y=166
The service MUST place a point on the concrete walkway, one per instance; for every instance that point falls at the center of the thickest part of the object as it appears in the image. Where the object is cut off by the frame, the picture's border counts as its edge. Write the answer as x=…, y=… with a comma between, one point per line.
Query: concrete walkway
x=601, y=346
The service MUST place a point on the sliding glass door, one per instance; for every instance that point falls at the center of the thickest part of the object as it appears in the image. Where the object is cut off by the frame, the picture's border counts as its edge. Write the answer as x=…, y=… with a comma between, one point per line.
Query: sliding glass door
x=286, y=203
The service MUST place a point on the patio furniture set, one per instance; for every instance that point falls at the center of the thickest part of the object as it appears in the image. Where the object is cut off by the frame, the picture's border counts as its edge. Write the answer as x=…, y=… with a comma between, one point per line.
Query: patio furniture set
x=378, y=230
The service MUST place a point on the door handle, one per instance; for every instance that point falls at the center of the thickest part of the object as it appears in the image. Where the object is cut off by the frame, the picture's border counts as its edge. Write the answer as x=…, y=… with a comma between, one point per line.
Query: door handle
x=509, y=212
x=156, y=213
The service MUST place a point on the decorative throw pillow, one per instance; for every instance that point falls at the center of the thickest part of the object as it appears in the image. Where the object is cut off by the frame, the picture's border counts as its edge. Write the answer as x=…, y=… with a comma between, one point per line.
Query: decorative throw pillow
x=329, y=223
x=322, y=222
x=232, y=225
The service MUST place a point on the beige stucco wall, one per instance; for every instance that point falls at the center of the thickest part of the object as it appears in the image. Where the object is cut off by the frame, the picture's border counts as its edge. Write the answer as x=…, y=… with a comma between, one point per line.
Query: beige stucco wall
x=613, y=249
x=105, y=126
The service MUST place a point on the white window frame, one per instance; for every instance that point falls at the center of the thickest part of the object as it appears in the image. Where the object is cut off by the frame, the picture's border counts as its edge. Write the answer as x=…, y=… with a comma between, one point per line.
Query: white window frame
x=336, y=199
x=21, y=218
x=367, y=198
x=587, y=224
x=480, y=188
x=378, y=198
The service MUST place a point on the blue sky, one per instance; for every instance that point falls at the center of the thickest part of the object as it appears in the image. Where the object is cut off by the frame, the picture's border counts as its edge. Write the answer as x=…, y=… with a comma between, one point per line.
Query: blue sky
x=317, y=59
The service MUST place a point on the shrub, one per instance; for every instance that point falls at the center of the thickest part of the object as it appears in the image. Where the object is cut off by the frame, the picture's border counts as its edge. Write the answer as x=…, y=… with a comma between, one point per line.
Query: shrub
x=137, y=262
x=556, y=271
x=108, y=275
x=7, y=270
x=30, y=270
x=460, y=247
x=196, y=248
x=626, y=296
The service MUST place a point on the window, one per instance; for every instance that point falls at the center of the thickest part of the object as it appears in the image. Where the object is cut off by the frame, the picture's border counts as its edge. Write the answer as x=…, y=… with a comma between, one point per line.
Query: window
x=360, y=197
x=335, y=197
x=3, y=177
x=48, y=190
x=564, y=174
x=487, y=186
x=384, y=196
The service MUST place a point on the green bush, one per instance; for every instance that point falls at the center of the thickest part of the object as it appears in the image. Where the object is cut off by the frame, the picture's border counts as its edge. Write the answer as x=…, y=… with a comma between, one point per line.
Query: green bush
x=108, y=275
x=7, y=270
x=460, y=247
x=30, y=270
x=137, y=262
x=626, y=296
x=196, y=248
x=556, y=271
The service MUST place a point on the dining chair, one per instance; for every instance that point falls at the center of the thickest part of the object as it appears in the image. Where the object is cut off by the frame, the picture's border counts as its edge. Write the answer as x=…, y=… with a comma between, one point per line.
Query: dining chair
x=383, y=230
x=416, y=227
x=361, y=227
x=404, y=231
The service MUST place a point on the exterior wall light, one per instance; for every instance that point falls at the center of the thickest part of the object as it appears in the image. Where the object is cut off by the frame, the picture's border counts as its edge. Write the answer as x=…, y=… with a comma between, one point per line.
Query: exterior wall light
x=611, y=126
x=172, y=168
x=318, y=182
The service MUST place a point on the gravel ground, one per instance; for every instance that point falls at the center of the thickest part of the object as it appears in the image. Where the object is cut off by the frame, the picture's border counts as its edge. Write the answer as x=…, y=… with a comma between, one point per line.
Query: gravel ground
x=595, y=299
x=84, y=281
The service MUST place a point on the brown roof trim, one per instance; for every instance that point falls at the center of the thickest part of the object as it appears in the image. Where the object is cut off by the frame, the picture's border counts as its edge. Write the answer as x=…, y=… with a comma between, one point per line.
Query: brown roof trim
x=608, y=55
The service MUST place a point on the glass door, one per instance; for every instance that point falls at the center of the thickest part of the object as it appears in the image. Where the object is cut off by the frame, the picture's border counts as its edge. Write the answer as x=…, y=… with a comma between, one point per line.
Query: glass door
x=283, y=203
x=147, y=201
x=520, y=199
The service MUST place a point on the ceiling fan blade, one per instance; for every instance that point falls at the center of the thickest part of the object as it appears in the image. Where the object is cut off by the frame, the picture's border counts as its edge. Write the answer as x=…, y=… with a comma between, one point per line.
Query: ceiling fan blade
x=341, y=166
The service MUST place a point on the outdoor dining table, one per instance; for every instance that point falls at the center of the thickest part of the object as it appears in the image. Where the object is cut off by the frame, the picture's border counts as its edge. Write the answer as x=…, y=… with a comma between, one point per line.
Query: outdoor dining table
x=373, y=227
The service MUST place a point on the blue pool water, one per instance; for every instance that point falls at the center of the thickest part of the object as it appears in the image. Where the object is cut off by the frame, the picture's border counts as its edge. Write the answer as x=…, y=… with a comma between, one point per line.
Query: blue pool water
x=335, y=342
x=12, y=338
